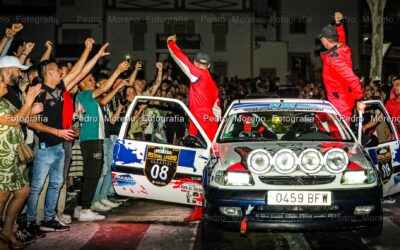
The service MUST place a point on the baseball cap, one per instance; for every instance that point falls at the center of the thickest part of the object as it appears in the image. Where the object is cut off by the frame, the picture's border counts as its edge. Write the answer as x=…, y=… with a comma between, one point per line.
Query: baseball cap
x=377, y=79
x=11, y=61
x=202, y=58
x=328, y=32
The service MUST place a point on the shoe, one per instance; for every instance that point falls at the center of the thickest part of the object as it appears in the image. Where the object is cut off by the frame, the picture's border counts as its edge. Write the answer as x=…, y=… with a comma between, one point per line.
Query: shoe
x=24, y=236
x=89, y=215
x=13, y=245
x=65, y=218
x=116, y=197
x=34, y=230
x=99, y=207
x=53, y=226
x=77, y=212
x=389, y=200
x=196, y=215
x=110, y=203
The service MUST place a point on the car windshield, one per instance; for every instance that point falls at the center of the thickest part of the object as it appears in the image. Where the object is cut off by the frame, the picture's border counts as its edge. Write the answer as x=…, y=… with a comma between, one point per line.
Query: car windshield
x=284, y=126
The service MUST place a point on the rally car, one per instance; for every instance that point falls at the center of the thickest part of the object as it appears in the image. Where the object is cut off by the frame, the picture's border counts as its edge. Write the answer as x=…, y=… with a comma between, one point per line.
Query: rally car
x=275, y=164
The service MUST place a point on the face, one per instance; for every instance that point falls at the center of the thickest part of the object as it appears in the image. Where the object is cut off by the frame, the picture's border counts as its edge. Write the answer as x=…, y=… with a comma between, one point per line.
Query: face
x=88, y=83
x=53, y=72
x=368, y=91
x=130, y=93
x=15, y=76
x=396, y=87
x=139, y=86
x=164, y=86
x=202, y=66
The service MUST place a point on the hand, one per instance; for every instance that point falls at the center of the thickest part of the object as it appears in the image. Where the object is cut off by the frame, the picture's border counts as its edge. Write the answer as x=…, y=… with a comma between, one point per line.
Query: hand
x=48, y=45
x=120, y=85
x=361, y=107
x=28, y=47
x=338, y=17
x=37, y=108
x=10, y=33
x=32, y=93
x=66, y=134
x=123, y=66
x=138, y=66
x=171, y=38
x=102, y=52
x=159, y=66
x=17, y=27
x=89, y=43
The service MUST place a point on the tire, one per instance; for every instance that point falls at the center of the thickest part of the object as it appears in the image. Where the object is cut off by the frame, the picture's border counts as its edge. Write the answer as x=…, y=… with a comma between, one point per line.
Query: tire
x=373, y=231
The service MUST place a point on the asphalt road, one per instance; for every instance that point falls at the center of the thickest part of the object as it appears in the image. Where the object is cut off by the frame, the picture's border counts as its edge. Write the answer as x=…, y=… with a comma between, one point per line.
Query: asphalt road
x=142, y=224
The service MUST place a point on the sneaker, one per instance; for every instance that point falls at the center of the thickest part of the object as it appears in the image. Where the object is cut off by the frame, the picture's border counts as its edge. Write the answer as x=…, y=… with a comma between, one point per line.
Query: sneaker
x=99, y=207
x=389, y=200
x=89, y=215
x=34, y=230
x=53, y=226
x=24, y=236
x=77, y=212
x=110, y=203
x=118, y=198
x=65, y=218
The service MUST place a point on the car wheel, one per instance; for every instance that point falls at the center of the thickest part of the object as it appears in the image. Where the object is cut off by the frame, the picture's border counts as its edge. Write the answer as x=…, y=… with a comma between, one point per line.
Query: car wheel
x=374, y=231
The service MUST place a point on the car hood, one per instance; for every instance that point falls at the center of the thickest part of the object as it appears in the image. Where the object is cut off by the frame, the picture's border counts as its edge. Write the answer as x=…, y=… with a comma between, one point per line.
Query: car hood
x=233, y=153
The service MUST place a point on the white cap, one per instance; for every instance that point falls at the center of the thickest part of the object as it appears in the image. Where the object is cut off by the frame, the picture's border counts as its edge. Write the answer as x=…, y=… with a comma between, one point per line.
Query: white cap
x=11, y=61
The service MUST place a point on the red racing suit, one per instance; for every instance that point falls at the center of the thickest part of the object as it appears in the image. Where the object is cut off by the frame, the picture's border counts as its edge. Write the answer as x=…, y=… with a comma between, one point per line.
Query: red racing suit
x=343, y=87
x=204, y=102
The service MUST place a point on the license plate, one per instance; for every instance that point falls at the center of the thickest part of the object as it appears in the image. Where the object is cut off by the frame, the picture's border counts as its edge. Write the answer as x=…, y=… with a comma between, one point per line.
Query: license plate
x=299, y=198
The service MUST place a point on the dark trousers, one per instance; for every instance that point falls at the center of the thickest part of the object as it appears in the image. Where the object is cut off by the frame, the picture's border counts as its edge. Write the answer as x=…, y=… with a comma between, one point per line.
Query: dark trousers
x=92, y=154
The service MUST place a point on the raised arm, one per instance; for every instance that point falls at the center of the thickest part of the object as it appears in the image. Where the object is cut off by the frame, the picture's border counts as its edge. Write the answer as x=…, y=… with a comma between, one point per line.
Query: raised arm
x=104, y=100
x=78, y=66
x=340, y=28
x=132, y=77
x=88, y=67
x=46, y=55
x=26, y=51
x=182, y=60
x=123, y=66
x=9, y=36
x=157, y=84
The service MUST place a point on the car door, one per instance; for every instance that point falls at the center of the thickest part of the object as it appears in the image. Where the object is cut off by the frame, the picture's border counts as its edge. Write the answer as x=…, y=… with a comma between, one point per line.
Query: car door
x=157, y=159
x=386, y=155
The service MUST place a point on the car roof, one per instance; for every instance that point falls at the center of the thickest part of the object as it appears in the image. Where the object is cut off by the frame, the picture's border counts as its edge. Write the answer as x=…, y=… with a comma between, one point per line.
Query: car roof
x=282, y=100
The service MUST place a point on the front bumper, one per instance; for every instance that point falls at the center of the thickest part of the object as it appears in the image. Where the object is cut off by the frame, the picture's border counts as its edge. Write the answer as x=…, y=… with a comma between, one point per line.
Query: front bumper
x=338, y=216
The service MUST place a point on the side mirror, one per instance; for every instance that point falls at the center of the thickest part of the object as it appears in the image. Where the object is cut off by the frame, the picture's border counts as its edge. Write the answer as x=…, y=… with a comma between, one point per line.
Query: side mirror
x=369, y=140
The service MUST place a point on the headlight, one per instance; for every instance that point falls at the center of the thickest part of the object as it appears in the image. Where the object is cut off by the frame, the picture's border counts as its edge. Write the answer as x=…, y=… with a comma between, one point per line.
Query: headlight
x=336, y=160
x=259, y=161
x=285, y=161
x=311, y=161
x=229, y=178
x=353, y=177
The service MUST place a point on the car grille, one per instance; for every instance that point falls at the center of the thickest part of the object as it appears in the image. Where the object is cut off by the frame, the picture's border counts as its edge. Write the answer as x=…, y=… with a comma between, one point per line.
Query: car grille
x=297, y=180
x=265, y=212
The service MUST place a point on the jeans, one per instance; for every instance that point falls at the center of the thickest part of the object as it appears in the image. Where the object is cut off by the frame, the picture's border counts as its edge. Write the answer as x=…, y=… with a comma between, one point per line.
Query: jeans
x=105, y=181
x=113, y=138
x=48, y=162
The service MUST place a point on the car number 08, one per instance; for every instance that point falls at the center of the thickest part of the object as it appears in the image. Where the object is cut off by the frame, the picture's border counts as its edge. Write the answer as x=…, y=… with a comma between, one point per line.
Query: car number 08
x=156, y=172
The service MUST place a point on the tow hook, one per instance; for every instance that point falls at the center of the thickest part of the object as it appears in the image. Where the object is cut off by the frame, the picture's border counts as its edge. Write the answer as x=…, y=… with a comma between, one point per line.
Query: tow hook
x=243, y=224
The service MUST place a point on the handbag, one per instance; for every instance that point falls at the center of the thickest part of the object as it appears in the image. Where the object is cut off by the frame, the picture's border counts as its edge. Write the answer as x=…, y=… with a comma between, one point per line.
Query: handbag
x=25, y=153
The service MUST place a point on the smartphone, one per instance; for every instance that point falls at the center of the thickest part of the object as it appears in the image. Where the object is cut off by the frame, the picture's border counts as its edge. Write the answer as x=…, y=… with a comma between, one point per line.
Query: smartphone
x=128, y=59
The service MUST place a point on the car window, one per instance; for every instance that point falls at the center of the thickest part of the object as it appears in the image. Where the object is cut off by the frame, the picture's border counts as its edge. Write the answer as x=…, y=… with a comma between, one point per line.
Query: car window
x=284, y=126
x=377, y=123
x=162, y=122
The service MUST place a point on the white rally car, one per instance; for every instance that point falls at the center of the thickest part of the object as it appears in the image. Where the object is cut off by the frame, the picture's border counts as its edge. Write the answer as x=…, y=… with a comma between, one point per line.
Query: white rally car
x=274, y=164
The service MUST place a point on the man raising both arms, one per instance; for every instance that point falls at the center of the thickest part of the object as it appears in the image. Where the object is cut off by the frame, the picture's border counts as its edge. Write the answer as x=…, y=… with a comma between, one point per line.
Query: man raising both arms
x=204, y=102
x=343, y=88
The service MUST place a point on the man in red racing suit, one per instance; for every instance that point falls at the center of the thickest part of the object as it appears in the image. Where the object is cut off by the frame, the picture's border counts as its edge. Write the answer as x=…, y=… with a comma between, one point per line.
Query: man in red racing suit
x=204, y=102
x=343, y=87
